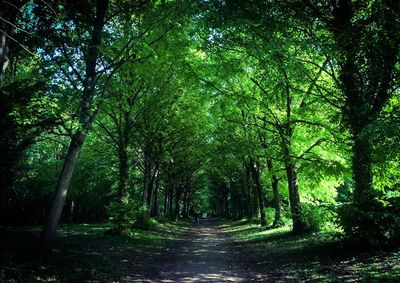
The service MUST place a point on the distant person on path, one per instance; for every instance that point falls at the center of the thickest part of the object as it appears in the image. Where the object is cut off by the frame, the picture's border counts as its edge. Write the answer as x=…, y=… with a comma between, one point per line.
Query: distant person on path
x=197, y=220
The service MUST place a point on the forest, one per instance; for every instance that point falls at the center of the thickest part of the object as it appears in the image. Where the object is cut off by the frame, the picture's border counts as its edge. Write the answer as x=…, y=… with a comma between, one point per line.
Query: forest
x=199, y=141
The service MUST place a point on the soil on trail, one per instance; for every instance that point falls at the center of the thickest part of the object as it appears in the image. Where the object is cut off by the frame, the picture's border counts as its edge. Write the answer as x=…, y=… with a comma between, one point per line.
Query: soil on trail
x=205, y=254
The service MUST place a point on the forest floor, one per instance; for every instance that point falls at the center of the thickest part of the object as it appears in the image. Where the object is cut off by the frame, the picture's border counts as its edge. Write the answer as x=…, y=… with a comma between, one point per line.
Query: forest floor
x=219, y=251
x=319, y=257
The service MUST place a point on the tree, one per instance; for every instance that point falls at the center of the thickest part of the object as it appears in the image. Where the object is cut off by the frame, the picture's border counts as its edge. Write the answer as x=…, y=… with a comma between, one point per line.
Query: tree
x=89, y=82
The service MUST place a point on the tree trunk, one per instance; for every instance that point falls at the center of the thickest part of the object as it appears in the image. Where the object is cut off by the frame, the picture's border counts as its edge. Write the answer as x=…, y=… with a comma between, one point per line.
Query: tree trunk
x=123, y=173
x=146, y=177
x=362, y=171
x=185, y=203
x=255, y=168
x=170, y=200
x=8, y=14
x=64, y=180
x=275, y=191
x=226, y=203
x=149, y=193
x=294, y=198
x=189, y=199
x=71, y=212
x=177, y=203
x=155, y=208
x=165, y=199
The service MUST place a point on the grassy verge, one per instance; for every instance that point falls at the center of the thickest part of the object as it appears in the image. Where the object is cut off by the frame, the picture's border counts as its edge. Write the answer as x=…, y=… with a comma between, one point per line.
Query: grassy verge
x=319, y=257
x=82, y=253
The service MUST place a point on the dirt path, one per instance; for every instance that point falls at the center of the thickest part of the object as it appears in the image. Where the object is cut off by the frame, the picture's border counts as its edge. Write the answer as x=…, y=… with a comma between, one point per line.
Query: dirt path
x=205, y=254
x=199, y=254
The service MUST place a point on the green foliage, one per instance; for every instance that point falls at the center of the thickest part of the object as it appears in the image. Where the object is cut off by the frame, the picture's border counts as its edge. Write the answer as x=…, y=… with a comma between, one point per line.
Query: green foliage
x=187, y=94
x=314, y=217
x=269, y=215
x=142, y=219
x=128, y=215
x=376, y=224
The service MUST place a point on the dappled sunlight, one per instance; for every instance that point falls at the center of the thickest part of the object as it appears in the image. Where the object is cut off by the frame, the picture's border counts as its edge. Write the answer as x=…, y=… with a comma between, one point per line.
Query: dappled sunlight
x=314, y=257
x=206, y=256
x=210, y=277
x=199, y=141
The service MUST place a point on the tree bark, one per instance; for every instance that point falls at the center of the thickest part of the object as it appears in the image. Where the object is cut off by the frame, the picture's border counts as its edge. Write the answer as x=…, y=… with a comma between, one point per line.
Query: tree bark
x=8, y=14
x=165, y=200
x=294, y=198
x=170, y=199
x=60, y=194
x=275, y=191
x=71, y=212
x=155, y=209
x=185, y=203
x=123, y=172
x=255, y=168
x=177, y=203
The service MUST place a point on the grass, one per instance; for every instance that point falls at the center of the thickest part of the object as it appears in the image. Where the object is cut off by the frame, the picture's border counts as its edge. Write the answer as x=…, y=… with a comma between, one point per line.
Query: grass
x=318, y=257
x=85, y=253
x=82, y=253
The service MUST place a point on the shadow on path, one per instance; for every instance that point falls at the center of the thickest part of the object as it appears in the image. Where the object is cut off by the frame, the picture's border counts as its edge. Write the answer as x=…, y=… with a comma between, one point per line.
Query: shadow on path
x=204, y=254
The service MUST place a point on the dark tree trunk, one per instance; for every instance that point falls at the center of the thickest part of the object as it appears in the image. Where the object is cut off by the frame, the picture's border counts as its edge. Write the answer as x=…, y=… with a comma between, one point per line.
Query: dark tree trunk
x=226, y=203
x=277, y=198
x=362, y=171
x=123, y=172
x=188, y=205
x=165, y=200
x=170, y=199
x=177, y=203
x=8, y=13
x=60, y=194
x=72, y=212
x=294, y=198
x=155, y=209
x=146, y=177
x=185, y=203
x=149, y=193
x=255, y=168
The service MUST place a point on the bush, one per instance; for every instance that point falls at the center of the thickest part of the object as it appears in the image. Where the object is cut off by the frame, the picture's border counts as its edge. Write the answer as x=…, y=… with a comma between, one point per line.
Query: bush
x=314, y=217
x=143, y=220
x=377, y=223
x=128, y=215
x=269, y=215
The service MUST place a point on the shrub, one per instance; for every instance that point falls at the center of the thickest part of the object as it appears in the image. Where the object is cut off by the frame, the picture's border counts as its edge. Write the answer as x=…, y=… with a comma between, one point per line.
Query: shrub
x=314, y=217
x=142, y=219
x=127, y=215
x=377, y=223
x=269, y=215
